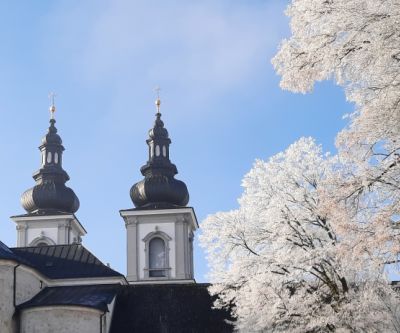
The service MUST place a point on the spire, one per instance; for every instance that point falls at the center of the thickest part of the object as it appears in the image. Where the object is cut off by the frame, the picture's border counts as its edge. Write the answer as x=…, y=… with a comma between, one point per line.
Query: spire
x=159, y=188
x=50, y=193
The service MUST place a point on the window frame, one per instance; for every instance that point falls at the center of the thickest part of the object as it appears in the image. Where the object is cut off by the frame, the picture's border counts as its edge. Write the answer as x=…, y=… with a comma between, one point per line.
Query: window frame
x=164, y=237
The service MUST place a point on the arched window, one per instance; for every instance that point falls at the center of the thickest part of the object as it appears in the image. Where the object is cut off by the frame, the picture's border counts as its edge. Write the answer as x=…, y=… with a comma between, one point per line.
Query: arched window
x=42, y=241
x=156, y=247
x=157, y=258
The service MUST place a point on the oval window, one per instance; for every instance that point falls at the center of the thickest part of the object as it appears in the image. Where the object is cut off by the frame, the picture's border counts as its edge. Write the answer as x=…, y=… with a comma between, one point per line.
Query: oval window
x=164, y=151
x=157, y=150
x=56, y=158
x=49, y=157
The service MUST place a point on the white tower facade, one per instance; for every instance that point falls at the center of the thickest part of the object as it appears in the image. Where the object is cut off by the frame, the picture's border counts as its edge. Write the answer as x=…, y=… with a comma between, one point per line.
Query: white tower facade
x=160, y=245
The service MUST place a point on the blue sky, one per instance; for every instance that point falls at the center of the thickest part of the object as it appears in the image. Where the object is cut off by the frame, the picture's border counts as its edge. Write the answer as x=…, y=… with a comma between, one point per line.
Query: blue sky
x=221, y=102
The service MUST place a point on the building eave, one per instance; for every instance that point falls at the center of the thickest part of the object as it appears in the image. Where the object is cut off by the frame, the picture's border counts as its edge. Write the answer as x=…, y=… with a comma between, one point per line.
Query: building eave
x=36, y=217
x=149, y=212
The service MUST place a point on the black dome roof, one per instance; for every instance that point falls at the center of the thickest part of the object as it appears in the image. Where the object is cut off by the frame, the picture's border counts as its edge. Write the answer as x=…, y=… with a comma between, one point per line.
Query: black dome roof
x=50, y=194
x=159, y=188
x=159, y=191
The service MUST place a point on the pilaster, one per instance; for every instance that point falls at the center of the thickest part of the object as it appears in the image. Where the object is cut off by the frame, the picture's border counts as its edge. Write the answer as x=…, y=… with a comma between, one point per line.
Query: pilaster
x=180, y=247
x=21, y=234
x=63, y=232
x=132, y=248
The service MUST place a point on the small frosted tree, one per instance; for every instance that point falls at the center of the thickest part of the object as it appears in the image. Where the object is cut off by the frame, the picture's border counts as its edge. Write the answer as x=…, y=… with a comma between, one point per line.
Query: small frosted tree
x=295, y=258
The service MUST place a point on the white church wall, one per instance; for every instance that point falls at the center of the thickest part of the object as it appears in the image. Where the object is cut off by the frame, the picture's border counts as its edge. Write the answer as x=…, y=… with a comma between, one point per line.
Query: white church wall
x=144, y=229
x=28, y=284
x=6, y=296
x=60, y=319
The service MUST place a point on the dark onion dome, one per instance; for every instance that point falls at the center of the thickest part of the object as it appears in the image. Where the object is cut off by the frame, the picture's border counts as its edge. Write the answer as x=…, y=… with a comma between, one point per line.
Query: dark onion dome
x=159, y=188
x=50, y=193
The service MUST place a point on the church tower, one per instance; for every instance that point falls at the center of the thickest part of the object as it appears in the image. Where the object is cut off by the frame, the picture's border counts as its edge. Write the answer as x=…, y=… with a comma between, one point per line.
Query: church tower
x=160, y=229
x=50, y=204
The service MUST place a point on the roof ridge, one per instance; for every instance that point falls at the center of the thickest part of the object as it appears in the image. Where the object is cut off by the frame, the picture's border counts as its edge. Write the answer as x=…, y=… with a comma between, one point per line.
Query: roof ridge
x=65, y=261
x=96, y=260
x=45, y=246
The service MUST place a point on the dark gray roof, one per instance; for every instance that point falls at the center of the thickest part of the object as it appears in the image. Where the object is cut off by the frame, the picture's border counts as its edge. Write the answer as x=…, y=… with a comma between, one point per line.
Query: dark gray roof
x=94, y=296
x=6, y=253
x=64, y=261
x=167, y=308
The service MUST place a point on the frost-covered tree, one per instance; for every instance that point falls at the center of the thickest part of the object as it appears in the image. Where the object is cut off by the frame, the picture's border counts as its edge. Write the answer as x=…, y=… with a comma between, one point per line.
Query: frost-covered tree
x=357, y=44
x=306, y=250
x=296, y=258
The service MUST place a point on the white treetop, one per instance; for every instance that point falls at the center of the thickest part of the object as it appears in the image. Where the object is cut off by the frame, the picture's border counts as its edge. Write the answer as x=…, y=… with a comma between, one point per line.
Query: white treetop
x=292, y=259
x=357, y=43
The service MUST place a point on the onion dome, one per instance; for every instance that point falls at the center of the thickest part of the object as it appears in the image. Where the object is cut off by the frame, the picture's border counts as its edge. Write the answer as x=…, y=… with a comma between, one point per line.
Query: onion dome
x=159, y=188
x=50, y=194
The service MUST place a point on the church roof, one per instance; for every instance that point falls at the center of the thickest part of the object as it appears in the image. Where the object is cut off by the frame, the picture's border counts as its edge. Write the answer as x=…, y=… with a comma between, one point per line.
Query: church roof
x=94, y=296
x=167, y=308
x=177, y=308
x=63, y=261
x=6, y=253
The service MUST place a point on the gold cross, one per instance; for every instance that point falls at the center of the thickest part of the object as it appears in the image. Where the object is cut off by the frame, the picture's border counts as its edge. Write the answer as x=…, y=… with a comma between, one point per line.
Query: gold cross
x=158, y=101
x=52, y=95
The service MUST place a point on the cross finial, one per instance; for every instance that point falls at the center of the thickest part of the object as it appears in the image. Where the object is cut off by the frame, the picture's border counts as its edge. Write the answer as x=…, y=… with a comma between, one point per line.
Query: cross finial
x=52, y=109
x=158, y=101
